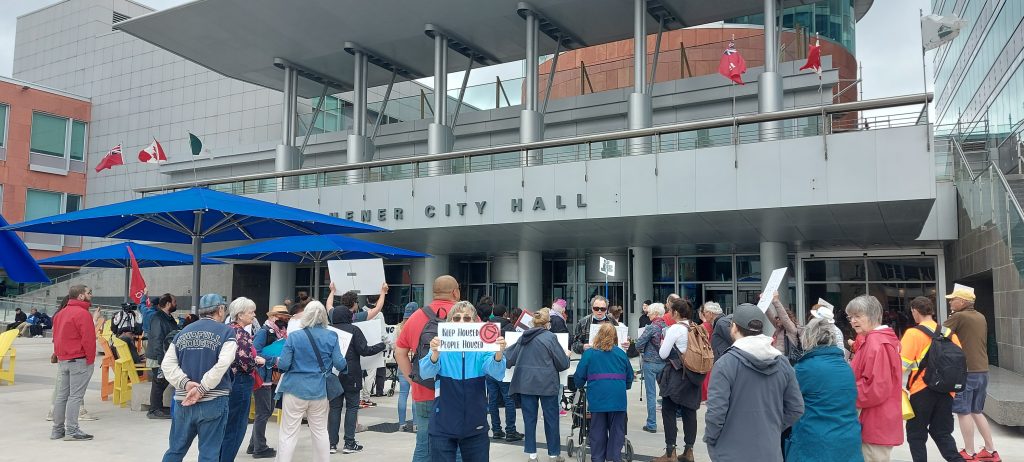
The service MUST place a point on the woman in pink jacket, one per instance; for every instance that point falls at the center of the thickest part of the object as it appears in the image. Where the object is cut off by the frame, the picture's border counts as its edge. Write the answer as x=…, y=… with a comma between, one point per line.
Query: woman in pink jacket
x=877, y=369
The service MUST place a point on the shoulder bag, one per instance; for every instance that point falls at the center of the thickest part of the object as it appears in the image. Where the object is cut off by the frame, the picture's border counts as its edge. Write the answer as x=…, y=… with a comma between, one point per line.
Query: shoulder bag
x=333, y=384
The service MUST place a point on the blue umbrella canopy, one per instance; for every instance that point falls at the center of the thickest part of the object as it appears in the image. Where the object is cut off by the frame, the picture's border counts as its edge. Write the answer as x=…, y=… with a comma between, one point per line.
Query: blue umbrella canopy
x=16, y=260
x=193, y=215
x=312, y=249
x=116, y=256
x=179, y=216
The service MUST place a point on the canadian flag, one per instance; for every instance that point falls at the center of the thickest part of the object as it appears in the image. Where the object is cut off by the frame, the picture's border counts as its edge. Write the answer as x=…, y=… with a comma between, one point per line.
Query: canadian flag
x=814, y=58
x=154, y=154
x=136, y=285
x=732, y=66
x=112, y=158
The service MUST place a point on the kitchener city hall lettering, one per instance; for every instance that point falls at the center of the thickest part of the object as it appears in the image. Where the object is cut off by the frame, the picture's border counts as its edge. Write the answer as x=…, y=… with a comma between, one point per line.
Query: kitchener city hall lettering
x=458, y=209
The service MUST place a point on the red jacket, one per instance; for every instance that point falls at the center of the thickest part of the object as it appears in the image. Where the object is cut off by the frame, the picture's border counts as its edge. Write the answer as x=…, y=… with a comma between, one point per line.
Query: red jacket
x=74, y=335
x=878, y=371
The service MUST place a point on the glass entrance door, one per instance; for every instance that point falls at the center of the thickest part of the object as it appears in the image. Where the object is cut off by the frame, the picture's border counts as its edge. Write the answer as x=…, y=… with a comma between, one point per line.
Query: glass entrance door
x=721, y=294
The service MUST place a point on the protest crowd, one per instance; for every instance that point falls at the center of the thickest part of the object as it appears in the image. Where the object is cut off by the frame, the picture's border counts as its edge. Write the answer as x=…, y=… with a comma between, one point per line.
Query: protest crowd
x=772, y=389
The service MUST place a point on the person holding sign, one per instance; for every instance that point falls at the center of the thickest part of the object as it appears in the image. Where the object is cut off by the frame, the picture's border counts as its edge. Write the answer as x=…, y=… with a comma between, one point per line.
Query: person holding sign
x=459, y=415
x=538, y=358
x=598, y=315
x=606, y=373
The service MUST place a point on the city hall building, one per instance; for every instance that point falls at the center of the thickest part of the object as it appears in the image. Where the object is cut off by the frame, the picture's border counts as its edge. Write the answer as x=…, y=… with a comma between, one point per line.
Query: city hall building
x=613, y=137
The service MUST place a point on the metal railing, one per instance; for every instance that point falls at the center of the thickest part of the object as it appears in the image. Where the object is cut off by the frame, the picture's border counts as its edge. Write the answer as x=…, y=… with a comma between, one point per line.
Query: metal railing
x=804, y=121
x=9, y=304
x=32, y=287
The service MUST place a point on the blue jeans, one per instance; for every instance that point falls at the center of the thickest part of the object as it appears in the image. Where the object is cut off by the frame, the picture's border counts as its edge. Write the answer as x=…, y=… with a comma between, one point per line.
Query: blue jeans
x=238, y=416
x=205, y=419
x=476, y=448
x=496, y=392
x=349, y=401
x=403, y=397
x=651, y=371
x=421, y=411
x=549, y=406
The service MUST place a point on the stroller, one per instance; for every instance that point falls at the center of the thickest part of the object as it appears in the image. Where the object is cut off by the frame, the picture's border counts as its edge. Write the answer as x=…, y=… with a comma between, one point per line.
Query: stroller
x=578, y=444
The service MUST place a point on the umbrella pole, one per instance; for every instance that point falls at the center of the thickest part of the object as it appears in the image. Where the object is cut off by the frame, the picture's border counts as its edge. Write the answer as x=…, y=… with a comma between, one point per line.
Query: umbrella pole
x=197, y=260
x=316, y=279
x=127, y=283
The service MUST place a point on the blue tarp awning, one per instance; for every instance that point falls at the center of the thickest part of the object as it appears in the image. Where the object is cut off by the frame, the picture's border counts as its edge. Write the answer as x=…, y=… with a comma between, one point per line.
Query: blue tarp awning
x=116, y=256
x=15, y=259
x=311, y=249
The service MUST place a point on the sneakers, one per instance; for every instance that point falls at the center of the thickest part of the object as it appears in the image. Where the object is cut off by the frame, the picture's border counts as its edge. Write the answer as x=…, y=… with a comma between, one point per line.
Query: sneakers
x=562, y=412
x=557, y=458
x=159, y=414
x=513, y=436
x=269, y=453
x=498, y=435
x=351, y=448
x=650, y=429
x=334, y=449
x=57, y=434
x=49, y=415
x=78, y=435
x=985, y=456
x=84, y=415
x=408, y=428
x=366, y=403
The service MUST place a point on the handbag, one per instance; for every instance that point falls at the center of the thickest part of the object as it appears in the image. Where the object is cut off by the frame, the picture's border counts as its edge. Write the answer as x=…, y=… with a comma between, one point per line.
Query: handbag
x=333, y=384
x=257, y=379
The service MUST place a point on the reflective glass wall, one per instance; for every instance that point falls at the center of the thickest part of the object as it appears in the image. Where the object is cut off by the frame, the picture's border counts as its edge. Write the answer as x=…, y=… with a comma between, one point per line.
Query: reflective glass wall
x=833, y=19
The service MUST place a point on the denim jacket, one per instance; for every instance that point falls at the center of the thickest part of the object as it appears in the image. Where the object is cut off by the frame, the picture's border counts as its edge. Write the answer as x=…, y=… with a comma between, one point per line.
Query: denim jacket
x=303, y=378
x=650, y=341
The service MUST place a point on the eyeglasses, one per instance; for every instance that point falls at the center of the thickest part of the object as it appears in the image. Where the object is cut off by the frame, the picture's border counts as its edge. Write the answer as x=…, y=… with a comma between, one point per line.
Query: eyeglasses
x=600, y=308
x=466, y=318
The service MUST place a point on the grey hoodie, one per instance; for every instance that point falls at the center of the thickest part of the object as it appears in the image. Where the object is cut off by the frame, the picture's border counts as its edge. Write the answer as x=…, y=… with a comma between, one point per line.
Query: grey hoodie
x=753, y=396
x=538, y=359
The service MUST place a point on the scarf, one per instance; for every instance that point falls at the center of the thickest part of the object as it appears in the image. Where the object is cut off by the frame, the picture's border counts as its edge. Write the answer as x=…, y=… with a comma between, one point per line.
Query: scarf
x=279, y=332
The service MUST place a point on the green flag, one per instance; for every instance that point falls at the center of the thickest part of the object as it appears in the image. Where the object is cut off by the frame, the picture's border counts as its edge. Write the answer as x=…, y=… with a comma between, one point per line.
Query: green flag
x=197, y=146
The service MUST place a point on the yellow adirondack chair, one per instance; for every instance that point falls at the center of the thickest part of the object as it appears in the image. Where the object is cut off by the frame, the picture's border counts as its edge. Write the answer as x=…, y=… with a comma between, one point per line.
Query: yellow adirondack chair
x=7, y=356
x=106, y=368
x=126, y=373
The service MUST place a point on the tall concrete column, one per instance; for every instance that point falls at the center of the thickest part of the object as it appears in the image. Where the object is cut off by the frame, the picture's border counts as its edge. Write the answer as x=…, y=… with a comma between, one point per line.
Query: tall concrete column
x=531, y=127
x=531, y=290
x=775, y=255
x=640, y=109
x=769, y=84
x=359, y=147
x=432, y=269
x=287, y=157
x=641, y=285
x=440, y=138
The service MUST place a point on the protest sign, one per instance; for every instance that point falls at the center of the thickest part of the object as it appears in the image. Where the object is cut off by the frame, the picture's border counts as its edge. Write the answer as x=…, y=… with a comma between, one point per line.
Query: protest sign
x=373, y=330
x=344, y=339
x=770, y=288
x=525, y=321
x=365, y=276
x=469, y=336
x=513, y=337
x=622, y=334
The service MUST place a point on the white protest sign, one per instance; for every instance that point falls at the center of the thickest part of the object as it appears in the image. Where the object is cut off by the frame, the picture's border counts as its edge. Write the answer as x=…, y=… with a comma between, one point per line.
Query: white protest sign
x=607, y=267
x=365, y=277
x=622, y=334
x=373, y=330
x=770, y=288
x=344, y=339
x=513, y=337
x=468, y=336
x=525, y=321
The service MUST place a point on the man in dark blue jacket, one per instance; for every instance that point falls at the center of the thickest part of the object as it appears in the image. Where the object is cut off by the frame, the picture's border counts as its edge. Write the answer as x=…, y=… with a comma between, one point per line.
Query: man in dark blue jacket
x=160, y=325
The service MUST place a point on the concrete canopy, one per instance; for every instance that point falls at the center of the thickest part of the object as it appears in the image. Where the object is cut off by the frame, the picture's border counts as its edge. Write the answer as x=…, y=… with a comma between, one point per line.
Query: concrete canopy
x=242, y=38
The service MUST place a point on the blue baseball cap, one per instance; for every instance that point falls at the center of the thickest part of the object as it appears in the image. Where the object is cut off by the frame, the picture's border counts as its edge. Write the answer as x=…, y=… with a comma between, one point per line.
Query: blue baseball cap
x=410, y=308
x=212, y=301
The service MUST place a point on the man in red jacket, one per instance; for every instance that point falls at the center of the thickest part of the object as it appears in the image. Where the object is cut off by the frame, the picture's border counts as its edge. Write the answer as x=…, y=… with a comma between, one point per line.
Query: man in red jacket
x=74, y=344
x=878, y=370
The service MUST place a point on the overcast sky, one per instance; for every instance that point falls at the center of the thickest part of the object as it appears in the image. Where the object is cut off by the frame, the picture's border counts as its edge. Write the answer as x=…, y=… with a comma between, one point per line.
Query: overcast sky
x=888, y=45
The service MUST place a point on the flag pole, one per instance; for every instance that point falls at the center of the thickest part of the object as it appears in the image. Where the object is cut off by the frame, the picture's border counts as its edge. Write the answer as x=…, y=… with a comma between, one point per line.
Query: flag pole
x=129, y=175
x=924, y=76
x=195, y=176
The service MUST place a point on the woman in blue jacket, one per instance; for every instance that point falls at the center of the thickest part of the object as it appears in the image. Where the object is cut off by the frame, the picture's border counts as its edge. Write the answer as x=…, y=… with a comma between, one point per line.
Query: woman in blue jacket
x=606, y=372
x=459, y=423
x=828, y=430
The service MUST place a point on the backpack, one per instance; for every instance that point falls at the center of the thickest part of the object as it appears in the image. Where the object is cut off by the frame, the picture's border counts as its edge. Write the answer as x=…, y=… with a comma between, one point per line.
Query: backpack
x=944, y=366
x=698, y=356
x=423, y=347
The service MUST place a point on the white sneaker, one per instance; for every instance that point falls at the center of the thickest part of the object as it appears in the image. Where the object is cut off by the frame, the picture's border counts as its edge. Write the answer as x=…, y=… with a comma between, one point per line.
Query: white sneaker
x=84, y=415
x=49, y=415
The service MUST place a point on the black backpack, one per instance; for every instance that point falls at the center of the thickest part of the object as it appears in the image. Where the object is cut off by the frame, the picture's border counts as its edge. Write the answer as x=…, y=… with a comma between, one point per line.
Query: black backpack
x=423, y=347
x=944, y=366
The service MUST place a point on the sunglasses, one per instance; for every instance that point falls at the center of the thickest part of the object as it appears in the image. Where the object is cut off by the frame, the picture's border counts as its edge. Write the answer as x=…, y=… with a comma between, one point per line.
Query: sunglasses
x=600, y=308
x=466, y=318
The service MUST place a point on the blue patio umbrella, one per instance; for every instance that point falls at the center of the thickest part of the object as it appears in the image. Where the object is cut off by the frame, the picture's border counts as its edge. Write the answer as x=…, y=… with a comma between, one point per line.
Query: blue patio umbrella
x=116, y=256
x=315, y=250
x=16, y=260
x=193, y=215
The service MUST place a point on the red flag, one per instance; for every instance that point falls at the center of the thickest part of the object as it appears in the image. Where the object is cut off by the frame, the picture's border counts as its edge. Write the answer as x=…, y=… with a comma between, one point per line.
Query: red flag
x=154, y=154
x=814, y=58
x=112, y=158
x=732, y=66
x=137, y=285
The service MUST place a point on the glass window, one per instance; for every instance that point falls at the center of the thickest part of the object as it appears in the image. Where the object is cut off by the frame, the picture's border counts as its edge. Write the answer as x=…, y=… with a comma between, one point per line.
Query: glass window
x=664, y=270
x=304, y=276
x=398, y=274
x=77, y=140
x=705, y=268
x=901, y=269
x=563, y=271
x=895, y=299
x=74, y=203
x=3, y=124
x=49, y=134
x=39, y=204
x=748, y=268
x=662, y=291
x=834, y=270
x=477, y=273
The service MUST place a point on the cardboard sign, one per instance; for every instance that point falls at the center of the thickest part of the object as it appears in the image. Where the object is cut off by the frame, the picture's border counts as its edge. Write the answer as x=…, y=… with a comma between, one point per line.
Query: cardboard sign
x=525, y=321
x=770, y=288
x=469, y=336
x=344, y=339
x=622, y=334
x=373, y=330
x=513, y=337
x=365, y=277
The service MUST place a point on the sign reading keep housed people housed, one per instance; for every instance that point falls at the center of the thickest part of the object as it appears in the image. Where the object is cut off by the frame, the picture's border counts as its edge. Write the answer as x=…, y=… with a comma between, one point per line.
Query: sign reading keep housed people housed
x=469, y=336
